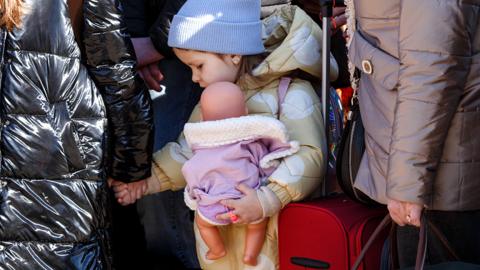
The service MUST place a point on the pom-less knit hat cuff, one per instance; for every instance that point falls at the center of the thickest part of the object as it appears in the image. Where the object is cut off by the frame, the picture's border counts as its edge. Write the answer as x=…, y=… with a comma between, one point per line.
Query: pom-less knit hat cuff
x=216, y=36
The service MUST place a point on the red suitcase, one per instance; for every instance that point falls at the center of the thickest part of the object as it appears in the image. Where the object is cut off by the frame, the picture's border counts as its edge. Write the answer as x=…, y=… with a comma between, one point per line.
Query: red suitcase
x=329, y=234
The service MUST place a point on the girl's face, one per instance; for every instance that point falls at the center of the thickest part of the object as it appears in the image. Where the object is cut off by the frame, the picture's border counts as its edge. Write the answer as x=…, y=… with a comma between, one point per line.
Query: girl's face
x=209, y=67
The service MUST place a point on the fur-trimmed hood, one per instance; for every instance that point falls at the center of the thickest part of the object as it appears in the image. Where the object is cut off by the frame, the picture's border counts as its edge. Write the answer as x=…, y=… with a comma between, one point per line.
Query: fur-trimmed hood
x=232, y=130
x=217, y=133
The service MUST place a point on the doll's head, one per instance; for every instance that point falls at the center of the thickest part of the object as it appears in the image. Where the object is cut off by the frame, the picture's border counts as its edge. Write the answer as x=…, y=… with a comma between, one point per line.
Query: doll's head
x=222, y=100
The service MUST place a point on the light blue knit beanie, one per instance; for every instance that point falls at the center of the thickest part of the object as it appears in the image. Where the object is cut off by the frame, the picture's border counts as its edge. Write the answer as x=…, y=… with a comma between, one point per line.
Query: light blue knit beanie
x=220, y=26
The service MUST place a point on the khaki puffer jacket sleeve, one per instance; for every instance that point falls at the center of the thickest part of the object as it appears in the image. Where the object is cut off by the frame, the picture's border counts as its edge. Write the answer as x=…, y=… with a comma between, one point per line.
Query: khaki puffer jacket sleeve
x=167, y=167
x=434, y=52
x=298, y=175
x=168, y=162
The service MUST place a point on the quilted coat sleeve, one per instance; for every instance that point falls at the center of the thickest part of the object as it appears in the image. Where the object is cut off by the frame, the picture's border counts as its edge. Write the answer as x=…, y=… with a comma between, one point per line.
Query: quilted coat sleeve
x=111, y=63
x=134, y=12
x=301, y=173
x=434, y=50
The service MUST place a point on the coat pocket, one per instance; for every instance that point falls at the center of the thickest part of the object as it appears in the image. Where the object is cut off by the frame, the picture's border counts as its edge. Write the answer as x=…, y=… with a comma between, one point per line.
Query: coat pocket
x=373, y=62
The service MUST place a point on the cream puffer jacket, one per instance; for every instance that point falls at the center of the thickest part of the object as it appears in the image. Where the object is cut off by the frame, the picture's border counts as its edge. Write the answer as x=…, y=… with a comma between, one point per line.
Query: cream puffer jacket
x=294, y=41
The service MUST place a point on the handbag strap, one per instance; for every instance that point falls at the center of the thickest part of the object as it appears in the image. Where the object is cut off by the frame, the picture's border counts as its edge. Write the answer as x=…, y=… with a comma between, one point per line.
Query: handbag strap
x=422, y=242
x=385, y=222
x=282, y=92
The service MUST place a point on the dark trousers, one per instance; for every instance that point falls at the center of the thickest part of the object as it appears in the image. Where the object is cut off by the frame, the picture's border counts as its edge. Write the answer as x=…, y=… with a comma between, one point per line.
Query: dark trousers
x=166, y=220
x=462, y=230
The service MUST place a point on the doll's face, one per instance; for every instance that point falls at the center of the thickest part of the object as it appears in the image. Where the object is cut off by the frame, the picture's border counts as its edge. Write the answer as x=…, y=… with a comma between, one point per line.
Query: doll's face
x=208, y=68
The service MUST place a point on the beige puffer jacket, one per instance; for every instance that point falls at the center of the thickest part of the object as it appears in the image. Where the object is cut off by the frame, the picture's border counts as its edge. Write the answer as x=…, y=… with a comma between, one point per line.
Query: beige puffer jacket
x=269, y=6
x=295, y=43
x=420, y=100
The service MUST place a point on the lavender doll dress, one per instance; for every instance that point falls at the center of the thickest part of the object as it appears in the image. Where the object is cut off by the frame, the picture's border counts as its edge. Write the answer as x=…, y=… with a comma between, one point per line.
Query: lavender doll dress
x=227, y=153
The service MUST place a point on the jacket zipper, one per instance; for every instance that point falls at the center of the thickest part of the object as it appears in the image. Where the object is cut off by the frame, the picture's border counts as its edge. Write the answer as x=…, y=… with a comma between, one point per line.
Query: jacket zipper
x=3, y=37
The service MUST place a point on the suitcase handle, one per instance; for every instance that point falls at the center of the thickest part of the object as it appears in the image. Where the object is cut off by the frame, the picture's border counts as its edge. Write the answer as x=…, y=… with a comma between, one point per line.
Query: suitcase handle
x=310, y=263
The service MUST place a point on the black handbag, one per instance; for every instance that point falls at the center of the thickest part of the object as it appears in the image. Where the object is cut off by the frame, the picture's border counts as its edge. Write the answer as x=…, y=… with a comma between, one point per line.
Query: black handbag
x=350, y=153
x=455, y=264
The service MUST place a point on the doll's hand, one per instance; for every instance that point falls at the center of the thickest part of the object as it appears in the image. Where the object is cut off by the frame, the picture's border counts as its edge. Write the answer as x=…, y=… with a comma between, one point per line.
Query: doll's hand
x=247, y=209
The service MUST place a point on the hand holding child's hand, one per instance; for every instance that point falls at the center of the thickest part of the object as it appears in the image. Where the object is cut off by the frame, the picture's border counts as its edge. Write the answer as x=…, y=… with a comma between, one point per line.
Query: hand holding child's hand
x=247, y=209
x=128, y=193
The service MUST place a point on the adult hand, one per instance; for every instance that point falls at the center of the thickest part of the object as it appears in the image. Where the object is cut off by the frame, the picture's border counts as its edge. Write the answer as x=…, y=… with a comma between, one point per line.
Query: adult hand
x=339, y=18
x=128, y=193
x=247, y=209
x=405, y=213
x=145, y=51
x=152, y=76
x=120, y=190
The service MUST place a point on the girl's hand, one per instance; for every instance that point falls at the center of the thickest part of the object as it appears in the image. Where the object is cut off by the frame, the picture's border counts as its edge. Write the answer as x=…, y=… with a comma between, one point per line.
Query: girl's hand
x=247, y=209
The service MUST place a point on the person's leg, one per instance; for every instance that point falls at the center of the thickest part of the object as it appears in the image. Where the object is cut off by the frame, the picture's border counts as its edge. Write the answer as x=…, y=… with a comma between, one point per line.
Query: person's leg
x=167, y=222
x=168, y=227
x=254, y=239
x=127, y=232
x=212, y=238
x=460, y=229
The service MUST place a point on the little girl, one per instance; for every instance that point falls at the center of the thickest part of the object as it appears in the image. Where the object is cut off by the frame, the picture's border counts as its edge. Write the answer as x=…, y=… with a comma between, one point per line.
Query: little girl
x=230, y=148
x=222, y=40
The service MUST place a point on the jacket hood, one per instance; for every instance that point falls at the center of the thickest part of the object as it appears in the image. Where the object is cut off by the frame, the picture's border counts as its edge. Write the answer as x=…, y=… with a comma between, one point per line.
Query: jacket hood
x=293, y=41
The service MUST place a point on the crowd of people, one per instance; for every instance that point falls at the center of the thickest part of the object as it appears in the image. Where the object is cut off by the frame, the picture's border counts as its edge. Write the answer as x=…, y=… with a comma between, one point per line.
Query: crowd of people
x=188, y=125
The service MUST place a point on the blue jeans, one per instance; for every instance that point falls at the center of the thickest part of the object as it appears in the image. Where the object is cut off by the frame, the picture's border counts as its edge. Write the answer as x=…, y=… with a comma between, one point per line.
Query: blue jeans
x=167, y=222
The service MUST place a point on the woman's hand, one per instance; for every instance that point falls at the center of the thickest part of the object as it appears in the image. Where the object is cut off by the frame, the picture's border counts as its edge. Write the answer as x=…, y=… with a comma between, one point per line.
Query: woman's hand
x=128, y=193
x=339, y=18
x=405, y=213
x=147, y=62
x=247, y=209
x=151, y=75
x=145, y=51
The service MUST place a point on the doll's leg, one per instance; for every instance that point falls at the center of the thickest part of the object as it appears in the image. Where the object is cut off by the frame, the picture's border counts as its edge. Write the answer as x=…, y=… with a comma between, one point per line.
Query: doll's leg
x=255, y=238
x=211, y=237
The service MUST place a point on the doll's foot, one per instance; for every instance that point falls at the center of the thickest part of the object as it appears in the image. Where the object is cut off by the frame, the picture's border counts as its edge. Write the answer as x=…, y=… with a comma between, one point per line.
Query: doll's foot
x=215, y=255
x=250, y=260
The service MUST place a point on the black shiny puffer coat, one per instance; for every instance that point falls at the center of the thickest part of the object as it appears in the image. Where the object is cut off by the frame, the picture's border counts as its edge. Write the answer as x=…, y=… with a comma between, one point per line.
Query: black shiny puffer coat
x=54, y=211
